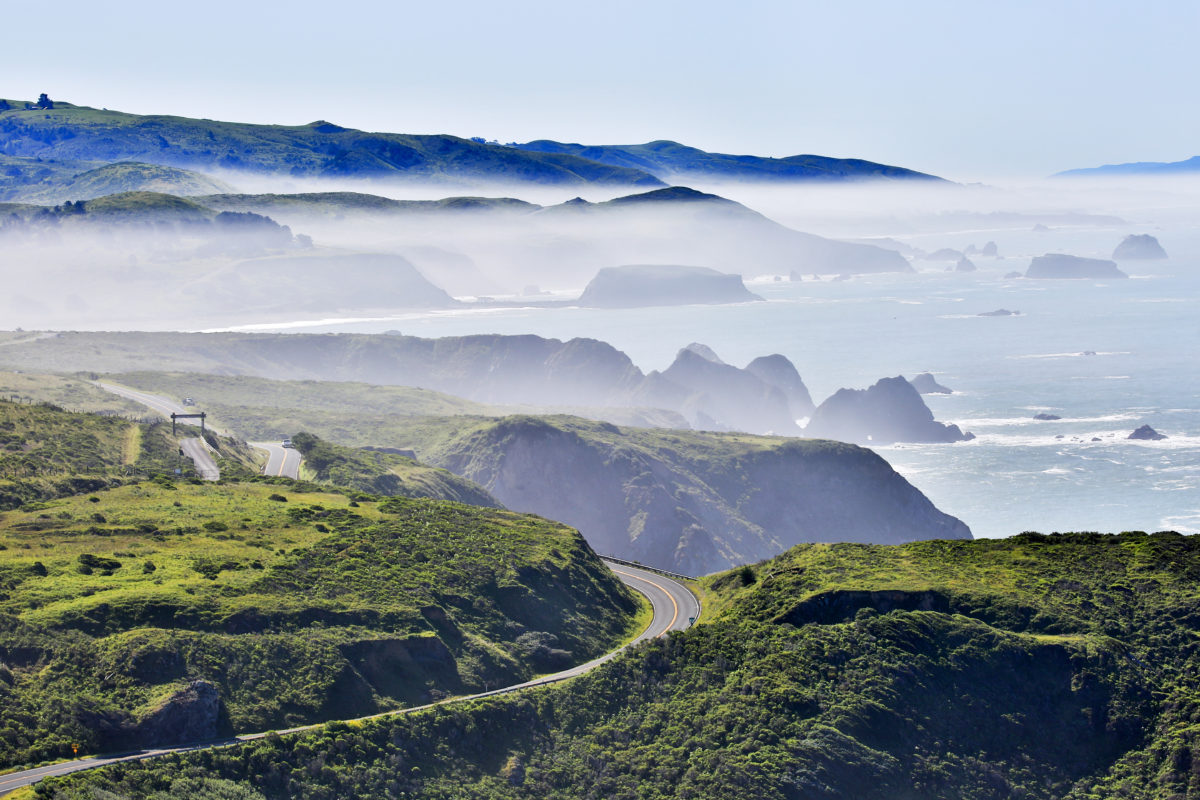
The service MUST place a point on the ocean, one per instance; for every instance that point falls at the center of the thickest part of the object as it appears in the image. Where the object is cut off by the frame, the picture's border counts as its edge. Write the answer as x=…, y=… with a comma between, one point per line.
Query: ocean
x=1106, y=356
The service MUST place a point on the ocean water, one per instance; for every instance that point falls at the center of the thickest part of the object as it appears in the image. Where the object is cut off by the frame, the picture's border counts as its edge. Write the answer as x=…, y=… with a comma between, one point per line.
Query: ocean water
x=1106, y=356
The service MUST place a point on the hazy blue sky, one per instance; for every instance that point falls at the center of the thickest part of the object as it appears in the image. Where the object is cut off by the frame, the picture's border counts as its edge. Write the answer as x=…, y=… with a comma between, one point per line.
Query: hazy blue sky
x=963, y=89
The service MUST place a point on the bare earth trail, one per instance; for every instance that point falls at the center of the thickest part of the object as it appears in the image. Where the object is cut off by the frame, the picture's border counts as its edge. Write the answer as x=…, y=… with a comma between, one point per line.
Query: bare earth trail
x=675, y=609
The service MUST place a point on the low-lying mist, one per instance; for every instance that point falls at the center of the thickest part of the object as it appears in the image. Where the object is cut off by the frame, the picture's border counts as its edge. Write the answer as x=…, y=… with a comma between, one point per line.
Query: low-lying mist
x=291, y=249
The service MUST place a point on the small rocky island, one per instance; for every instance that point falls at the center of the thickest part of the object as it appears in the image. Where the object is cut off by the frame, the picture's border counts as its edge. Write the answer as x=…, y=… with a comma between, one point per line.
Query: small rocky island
x=926, y=384
x=1139, y=247
x=889, y=411
x=640, y=285
x=1060, y=265
x=1146, y=433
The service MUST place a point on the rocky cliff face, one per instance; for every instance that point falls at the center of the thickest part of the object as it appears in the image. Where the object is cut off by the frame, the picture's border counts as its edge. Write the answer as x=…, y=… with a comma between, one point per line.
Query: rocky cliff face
x=191, y=714
x=779, y=372
x=725, y=397
x=693, y=502
x=889, y=411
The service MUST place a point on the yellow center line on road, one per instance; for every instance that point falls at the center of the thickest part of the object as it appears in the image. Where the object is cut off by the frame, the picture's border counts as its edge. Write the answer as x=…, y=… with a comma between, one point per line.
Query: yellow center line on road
x=670, y=597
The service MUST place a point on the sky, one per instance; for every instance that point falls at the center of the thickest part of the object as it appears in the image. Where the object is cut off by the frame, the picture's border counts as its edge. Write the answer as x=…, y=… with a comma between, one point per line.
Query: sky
x=966, y=89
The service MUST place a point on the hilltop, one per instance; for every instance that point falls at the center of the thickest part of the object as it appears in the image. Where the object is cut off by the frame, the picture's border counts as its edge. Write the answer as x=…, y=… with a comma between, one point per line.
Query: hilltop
x=69, y=132
x=1136, y=168
x=1056, y=667
x=36, y=181
x=674, y=162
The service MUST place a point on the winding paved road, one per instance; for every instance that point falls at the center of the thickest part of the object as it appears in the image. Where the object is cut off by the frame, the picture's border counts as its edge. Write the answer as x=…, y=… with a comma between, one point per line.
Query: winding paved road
x=194, y=448
x=675, y=608
x=281, y=461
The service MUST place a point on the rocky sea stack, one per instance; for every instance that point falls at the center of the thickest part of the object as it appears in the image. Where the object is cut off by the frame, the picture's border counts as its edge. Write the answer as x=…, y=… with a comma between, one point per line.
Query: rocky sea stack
x=1059, y=265
x=1139, y=247
x=637, y=285
x=925, y=384
x=1146, y=433
x=888, y=412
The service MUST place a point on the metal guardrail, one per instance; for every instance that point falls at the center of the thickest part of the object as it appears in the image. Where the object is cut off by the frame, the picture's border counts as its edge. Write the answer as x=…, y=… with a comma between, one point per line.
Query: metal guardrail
x=640, y=565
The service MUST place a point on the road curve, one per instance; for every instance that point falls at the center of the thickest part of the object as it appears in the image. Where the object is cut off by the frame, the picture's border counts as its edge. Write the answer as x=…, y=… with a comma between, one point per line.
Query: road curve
x=675, y=608
x=281, y=461
x=154, y=402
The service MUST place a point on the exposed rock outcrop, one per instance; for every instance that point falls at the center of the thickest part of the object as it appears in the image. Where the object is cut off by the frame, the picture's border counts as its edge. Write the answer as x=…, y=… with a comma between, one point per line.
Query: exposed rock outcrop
x=926, y=384
x=779, y=372
x=889, y=411
x=1060, y=265
x=1000, y=312
x=732, y=398
x=1044, y=417
x=1138, y=247
x=1146, y=433
x=965, y=265
x=192, y=714
x=639, y=285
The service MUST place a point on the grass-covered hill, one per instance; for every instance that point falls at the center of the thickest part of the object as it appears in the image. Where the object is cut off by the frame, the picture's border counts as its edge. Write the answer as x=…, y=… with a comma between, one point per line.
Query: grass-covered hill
x=249, y=408
x=162, y=612
x=672, y=161
x=319, y=149
x=1042, y=667
x=392, y=474
x=123, y=176
x=46, y=452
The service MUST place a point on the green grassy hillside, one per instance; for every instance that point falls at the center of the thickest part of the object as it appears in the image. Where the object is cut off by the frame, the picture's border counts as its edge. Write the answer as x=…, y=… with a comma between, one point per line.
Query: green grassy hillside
x=390, y=474
x=124, y=176
x=1060, y=666
x=280, y=605
x=319, y=149
x=46, y=452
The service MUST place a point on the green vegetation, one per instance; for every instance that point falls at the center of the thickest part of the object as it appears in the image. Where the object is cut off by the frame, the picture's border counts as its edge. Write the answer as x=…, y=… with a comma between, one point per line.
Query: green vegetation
x=46, y=452
x=122, y=611
x=72, y=393
x=1059, y=666
x=384, y=473
x=319, y=149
